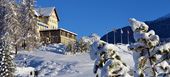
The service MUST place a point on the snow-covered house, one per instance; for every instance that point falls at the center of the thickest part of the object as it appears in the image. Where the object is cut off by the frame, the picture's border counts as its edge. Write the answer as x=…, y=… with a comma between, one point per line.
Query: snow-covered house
x=47, y=18
x=48, y=27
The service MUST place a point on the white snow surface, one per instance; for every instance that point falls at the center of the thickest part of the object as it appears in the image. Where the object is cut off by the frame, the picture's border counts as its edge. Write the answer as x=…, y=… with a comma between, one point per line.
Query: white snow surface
x=48, y=63
x=24, y=71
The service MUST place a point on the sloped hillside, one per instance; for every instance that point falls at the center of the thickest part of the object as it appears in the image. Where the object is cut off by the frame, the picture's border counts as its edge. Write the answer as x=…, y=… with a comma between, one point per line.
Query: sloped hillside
x=49, y=62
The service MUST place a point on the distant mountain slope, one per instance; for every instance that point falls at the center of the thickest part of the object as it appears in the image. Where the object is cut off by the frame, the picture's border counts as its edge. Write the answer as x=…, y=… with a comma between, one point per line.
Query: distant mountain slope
x=161, y=26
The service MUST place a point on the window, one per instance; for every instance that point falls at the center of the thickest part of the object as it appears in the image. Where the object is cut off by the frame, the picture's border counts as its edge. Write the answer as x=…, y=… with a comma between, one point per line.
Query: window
x=61, y=33
x=70, y=36
x=66, y=34
x=73, y=36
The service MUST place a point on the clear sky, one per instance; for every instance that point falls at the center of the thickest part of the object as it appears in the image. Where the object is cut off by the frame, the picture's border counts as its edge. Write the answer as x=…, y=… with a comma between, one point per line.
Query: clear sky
x=100, y=16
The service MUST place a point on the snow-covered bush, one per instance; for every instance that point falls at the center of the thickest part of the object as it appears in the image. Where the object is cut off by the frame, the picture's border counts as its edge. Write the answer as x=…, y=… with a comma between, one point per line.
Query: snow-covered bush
x=91, y=39
x=71, y=47
x=113, y=67
x=95, y=49
x=82, y=45
x=56, y=48
x=108, y=60
x=147, y=53
x=87, y=41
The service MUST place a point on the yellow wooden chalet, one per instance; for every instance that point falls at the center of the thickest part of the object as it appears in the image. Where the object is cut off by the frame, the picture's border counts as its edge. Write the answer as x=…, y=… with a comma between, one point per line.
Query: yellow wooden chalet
x=48, y=27
x=47, y=18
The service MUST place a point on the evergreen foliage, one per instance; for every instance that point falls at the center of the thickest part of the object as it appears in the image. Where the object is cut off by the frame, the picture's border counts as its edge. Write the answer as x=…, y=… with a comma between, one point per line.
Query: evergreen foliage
x=7, y=67
x=151, y=59
x=13, y=32
x=28, y=23
x=8, y=36
x=109, y=61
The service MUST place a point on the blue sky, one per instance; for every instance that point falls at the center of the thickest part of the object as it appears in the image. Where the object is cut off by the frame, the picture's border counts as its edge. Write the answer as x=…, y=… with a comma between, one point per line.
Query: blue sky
x=100, y=16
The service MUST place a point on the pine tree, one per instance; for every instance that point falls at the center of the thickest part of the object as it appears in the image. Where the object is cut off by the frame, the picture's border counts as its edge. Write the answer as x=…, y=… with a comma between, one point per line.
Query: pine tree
x=83, y=46
x=109, y=61
x=7, y=67
x=100, y=60
x=162, y=65
x=8, y=21
x=28, y=22
x=15, y=30
x=147, y=52
x=113, y=66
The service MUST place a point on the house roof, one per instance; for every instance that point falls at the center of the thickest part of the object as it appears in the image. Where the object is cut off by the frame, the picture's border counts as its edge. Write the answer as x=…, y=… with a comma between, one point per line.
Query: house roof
x=67, y=31
x=60, y=29
x=47, y=11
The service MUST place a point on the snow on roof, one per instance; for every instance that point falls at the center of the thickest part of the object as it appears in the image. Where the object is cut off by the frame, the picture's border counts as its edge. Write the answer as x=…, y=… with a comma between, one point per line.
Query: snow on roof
x=44, y=11
x=60, y=29
x=36, y=13
x=67, y=31
x=48, y=29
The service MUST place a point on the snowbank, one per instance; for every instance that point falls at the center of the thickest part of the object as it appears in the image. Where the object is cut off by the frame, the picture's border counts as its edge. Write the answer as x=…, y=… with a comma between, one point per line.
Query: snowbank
x=25, y=72
x=56, y=48
x=51, y=64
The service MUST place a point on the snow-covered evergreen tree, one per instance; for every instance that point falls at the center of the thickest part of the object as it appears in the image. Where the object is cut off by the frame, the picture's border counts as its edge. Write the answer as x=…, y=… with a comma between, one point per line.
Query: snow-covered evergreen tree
x=162, y=64
x=15, y=30
x=28, y=22
x=83, y=46
x=147, y=54
x=113, y=67
x=98, y=56
x=108, y=61
x=8, y=21
x=7, y=67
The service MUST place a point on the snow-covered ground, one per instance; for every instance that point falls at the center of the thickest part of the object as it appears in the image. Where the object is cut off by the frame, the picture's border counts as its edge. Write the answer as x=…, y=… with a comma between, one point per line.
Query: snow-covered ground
x=49, y=62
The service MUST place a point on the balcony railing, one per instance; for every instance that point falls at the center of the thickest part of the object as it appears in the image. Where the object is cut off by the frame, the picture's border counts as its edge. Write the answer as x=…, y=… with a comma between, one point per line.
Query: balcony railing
x=42, y=24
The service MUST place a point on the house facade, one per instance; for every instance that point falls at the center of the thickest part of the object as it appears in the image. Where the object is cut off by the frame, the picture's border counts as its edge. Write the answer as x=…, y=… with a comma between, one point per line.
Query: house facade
x=57, y=36
x=47, y=18
x=47, y=21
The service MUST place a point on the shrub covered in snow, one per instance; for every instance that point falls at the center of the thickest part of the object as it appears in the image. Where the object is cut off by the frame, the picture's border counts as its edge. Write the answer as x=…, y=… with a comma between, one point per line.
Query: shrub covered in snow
x=108, y=60
x=56, y=48
x=83, y=44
